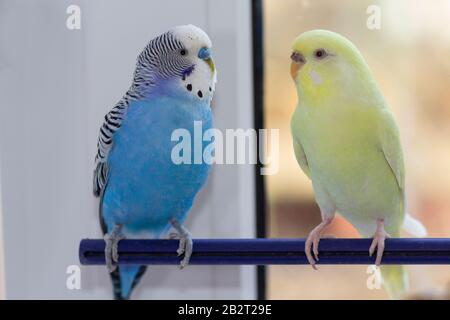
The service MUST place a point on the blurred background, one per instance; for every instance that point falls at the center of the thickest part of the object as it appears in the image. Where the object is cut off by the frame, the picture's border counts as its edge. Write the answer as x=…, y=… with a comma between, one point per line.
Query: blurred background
x=56, y=85
x=409, y=57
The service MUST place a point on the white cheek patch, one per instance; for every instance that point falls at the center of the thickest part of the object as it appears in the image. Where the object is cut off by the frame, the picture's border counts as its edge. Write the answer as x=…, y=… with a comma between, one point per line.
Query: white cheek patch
x=200, y=83
x=315, y=77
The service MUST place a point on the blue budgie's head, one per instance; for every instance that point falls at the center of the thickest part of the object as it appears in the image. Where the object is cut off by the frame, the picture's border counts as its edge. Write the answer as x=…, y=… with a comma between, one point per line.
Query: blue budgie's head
x=180, y=57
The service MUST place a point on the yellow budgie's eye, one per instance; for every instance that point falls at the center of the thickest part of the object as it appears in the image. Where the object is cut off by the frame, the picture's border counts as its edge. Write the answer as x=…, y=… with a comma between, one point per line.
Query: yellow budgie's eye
x=320, y=53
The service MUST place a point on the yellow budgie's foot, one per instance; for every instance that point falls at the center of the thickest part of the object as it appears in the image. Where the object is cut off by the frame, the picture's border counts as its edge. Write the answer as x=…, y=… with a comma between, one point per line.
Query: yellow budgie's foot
x=378, y=241
x=313, y=241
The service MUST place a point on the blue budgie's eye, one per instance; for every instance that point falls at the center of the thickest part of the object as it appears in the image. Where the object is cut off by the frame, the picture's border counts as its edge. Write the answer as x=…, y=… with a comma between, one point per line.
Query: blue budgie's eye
x=183, y=52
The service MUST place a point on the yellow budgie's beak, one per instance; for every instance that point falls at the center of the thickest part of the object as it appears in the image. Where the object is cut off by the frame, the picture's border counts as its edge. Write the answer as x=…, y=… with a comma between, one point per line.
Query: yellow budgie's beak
x=297, y=61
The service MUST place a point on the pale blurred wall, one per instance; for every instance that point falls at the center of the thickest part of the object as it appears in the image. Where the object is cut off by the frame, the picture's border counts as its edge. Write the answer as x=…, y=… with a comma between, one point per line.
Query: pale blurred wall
x=409, y=58
x=55, y=87
x=2, y=262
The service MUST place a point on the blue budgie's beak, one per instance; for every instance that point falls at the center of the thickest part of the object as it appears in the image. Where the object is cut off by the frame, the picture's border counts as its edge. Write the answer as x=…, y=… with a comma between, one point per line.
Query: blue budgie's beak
x=205, y=54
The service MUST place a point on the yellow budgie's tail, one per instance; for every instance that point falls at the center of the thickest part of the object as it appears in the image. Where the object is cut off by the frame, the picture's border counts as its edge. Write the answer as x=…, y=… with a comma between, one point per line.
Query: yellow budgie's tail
x=395, y=281
x=395, y=278
x=414, y=227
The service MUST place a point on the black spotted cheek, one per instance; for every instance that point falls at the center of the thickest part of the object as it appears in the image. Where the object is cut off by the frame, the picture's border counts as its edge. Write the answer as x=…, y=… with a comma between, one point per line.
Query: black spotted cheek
x=189, y=87
x=200, y=93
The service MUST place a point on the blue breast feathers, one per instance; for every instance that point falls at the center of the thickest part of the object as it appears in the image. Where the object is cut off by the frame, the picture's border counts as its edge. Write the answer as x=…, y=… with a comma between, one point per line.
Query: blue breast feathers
x=145, y=188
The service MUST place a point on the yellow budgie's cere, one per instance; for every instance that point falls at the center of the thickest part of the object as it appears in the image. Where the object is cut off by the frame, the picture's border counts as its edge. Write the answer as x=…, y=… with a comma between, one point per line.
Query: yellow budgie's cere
x=347, y=142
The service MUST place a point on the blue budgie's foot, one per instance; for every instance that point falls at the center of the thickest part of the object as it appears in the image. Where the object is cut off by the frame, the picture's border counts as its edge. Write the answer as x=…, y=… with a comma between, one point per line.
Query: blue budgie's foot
x=378, y=241
x=111, y=247
x=185, y=242
x=312, y=242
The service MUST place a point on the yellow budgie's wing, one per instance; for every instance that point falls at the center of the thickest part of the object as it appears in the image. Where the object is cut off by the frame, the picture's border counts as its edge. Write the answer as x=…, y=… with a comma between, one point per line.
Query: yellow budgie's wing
x=391, y=147
x=301, y=158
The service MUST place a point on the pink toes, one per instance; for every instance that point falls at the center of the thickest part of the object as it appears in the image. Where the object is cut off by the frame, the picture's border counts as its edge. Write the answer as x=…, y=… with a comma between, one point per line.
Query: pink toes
x=378, y=241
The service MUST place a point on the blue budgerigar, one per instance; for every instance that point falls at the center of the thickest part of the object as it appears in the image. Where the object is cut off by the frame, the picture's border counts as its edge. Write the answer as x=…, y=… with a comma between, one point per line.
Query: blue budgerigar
x=142, y=191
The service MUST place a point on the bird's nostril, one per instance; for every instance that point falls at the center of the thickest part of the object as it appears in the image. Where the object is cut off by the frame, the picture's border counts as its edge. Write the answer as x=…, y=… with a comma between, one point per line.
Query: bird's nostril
x=297, y=57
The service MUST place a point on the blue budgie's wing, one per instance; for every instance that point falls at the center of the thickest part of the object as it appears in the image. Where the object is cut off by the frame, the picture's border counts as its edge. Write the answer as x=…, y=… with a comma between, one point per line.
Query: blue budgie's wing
x=112, y=123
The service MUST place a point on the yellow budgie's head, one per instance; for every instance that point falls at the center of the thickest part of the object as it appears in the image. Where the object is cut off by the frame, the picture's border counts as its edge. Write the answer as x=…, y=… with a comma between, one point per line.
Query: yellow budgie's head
x=325, y=65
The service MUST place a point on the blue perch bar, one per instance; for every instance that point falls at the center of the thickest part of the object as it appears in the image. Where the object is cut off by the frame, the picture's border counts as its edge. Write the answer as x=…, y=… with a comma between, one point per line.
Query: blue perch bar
x=269, y=251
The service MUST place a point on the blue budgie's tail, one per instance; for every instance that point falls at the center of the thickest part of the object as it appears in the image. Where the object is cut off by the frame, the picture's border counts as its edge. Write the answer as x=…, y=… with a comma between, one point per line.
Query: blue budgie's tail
x=125, y=279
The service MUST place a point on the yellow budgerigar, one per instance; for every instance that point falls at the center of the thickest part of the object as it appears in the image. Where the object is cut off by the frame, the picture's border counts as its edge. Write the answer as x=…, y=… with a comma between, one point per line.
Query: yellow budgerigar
x=347, y=142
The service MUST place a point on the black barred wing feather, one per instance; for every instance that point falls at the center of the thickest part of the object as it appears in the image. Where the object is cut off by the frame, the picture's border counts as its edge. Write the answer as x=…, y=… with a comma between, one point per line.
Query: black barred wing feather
x=112, y=123
x=148, y=64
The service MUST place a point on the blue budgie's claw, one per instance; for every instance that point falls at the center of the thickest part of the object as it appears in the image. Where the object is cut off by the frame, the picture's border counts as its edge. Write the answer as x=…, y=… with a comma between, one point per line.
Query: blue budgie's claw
x=111, y=247
x=185, y=242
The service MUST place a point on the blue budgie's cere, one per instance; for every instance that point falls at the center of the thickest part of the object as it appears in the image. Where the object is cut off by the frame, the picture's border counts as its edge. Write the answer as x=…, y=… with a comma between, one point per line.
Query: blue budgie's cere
x=142, y=191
